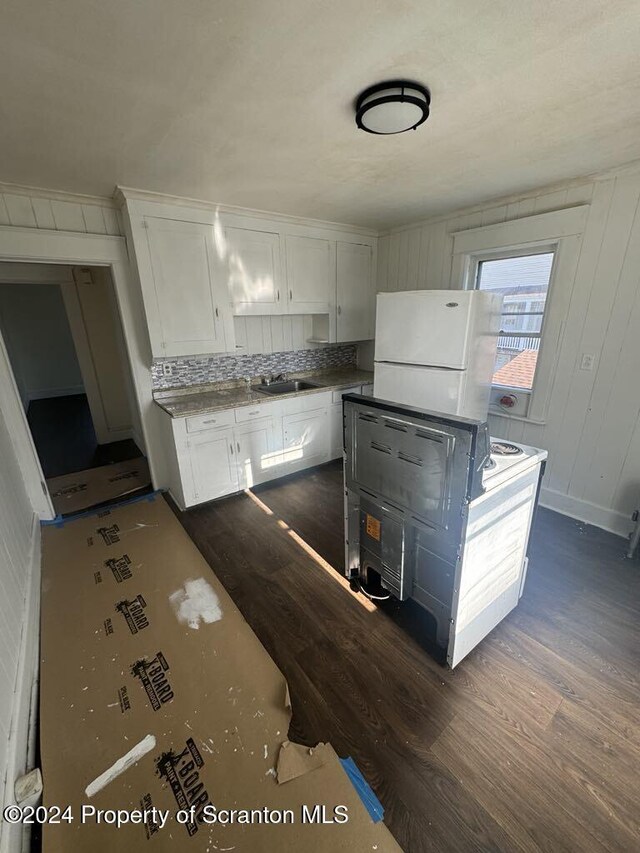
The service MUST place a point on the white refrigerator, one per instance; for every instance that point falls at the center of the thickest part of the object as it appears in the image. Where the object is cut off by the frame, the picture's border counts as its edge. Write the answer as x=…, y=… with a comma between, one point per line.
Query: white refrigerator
x=436, y=349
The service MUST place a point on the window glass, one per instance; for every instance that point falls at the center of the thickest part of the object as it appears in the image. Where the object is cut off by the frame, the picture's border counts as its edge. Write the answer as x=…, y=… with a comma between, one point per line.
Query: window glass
x=523, y=281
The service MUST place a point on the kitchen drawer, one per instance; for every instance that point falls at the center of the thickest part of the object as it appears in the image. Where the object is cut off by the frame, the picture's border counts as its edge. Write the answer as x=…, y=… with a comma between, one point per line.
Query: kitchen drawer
x=306, y=402
x=255, y=411
x=336, y=396
x=210, y=420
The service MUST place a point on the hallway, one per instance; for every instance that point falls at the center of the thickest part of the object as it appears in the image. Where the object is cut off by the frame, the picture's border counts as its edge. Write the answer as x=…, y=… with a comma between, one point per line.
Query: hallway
x=65, y=439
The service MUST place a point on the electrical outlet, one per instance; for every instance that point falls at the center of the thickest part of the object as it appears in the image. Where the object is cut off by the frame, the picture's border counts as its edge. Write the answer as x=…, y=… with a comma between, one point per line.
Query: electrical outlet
x=167, y=369
x=587, y=361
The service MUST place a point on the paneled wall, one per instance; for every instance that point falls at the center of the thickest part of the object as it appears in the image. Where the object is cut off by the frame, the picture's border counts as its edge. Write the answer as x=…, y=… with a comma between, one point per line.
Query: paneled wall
x=273, y=334
x=592, y=427
x=21, y=208
x=16, y=528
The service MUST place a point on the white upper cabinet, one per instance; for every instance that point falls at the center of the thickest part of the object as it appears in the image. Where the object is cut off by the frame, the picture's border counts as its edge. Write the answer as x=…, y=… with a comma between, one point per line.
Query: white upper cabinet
x=355, y=295
x=200, y=266
x=255, y=271
x=310, y=274
x=185, y=294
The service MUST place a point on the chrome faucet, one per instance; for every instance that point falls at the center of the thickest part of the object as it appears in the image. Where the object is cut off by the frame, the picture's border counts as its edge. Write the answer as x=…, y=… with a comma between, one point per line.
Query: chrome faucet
x=274, y=377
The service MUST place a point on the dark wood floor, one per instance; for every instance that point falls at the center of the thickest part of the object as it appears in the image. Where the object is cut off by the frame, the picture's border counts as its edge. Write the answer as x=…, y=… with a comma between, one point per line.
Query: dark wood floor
x=65, y=439
x=532, y=743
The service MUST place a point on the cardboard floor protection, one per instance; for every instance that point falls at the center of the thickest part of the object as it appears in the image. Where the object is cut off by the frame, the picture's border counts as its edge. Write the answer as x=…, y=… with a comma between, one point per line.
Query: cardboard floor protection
x=82, y=490
x=155, y=694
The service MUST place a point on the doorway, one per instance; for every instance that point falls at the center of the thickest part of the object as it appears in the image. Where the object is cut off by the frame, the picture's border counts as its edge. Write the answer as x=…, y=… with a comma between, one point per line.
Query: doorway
x=65, y=345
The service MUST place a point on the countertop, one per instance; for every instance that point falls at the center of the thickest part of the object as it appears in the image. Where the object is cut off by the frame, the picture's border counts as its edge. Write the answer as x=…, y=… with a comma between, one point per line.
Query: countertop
x=197, y=400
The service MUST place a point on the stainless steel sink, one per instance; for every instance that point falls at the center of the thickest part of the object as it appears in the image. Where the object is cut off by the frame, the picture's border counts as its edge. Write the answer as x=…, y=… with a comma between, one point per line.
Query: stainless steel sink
x=289, y=387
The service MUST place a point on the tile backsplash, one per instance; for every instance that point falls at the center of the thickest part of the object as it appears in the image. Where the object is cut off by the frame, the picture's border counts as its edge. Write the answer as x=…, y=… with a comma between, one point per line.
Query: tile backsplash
x=207, y=369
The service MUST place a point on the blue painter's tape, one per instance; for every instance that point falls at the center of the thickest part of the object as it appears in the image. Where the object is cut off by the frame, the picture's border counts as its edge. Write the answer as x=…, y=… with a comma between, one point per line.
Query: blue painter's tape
x=371, y=802
x=61, y=520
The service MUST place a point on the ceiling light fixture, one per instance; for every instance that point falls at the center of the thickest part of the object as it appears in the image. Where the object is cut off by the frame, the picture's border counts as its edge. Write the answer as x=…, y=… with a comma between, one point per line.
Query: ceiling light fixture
x=392, y=107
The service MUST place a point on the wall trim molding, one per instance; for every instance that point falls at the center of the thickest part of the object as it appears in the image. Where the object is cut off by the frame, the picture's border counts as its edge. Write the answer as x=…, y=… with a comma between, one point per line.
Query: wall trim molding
x=119, y=434
x=126, y=194
x=23, y=719
x=624, y=170
x=587, y=512
x=535, y=228
x=116, y=201
x=57, y=195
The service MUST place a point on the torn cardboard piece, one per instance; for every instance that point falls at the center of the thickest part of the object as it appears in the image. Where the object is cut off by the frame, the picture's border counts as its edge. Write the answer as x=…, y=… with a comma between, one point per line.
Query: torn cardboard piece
x=295, y=760
x=122, y=663
x=82, y=490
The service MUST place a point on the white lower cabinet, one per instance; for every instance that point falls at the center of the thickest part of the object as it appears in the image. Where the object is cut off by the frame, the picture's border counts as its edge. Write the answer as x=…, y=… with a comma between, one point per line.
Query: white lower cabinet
x=212, y=464
x=221, y=452
x=257, y=452
x=305, y=439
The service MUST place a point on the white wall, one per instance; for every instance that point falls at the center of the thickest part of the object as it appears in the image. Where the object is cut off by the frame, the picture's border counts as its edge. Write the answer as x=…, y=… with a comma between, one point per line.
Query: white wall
x=19, y=594
x=592, y=428
x=34, y=323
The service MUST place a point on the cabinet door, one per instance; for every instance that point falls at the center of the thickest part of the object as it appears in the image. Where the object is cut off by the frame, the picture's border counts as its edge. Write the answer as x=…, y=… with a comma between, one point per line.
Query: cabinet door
x=254, y=269
x=355, y=292
x=335, y=431
x=310, y=274
x=305, y=439
x=213, y=460
x=190, y=310
x=256, y=452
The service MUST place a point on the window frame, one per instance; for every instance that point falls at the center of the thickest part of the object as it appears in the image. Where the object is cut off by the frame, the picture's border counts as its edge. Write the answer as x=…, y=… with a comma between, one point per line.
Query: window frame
x=563, y=227
x=524, y=396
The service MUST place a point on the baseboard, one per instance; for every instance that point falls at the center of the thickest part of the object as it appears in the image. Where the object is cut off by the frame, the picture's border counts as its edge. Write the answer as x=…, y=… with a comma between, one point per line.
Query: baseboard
x=24, y=716
x=108, y=436
x=599, y=516
x=45, y=393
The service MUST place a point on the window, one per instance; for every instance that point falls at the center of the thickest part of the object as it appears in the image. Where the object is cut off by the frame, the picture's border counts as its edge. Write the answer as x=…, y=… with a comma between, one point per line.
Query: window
x=523, y=281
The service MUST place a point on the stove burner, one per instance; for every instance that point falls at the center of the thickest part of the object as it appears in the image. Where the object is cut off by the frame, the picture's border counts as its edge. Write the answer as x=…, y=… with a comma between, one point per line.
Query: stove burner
x=504, y=448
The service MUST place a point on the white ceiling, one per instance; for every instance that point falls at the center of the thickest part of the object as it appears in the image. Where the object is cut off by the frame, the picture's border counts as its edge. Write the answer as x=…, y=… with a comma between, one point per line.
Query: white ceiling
x=250, y=103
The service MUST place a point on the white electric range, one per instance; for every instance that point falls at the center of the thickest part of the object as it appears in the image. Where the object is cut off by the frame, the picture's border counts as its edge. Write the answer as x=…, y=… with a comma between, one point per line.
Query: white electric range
x=431, y=516
x=508, y=460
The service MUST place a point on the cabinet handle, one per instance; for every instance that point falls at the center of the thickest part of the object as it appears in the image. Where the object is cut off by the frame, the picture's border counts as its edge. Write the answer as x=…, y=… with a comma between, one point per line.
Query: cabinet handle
x=231, y=446
x=217, y=314
x=255, y=412
x=277, y=296
x=238, y=446
x=291, y=295
x=339, y=310
x=211, y=421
